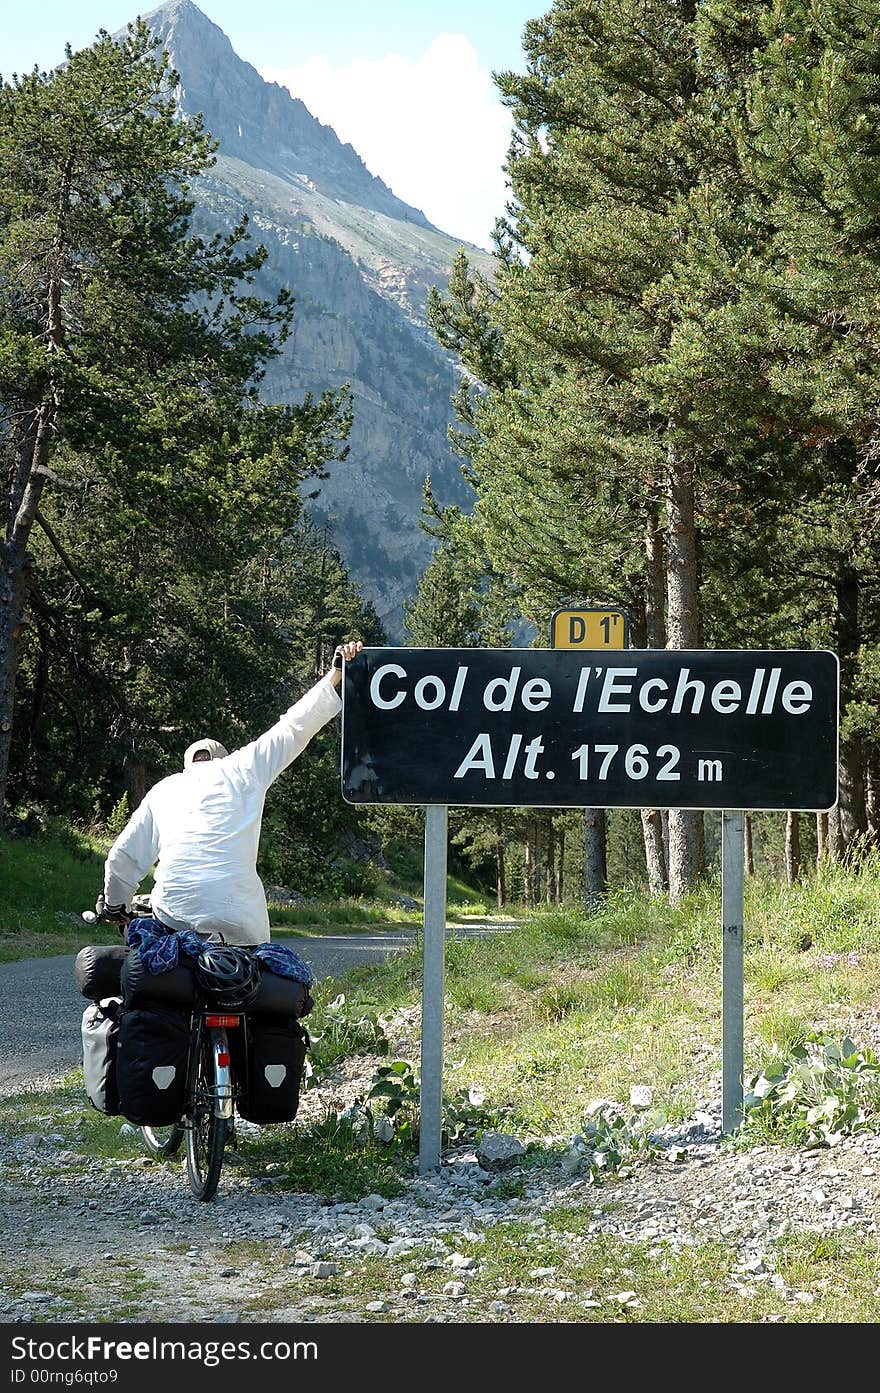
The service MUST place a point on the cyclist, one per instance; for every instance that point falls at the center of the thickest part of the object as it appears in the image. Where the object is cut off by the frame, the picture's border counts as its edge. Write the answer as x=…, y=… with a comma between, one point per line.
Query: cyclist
x=201, y=827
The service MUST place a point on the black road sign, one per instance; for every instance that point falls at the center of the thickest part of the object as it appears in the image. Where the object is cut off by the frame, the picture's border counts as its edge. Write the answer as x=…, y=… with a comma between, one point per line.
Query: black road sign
x=638, y=728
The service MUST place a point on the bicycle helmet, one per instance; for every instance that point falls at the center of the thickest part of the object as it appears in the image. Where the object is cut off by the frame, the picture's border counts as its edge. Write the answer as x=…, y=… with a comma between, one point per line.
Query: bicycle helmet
x=229, y=975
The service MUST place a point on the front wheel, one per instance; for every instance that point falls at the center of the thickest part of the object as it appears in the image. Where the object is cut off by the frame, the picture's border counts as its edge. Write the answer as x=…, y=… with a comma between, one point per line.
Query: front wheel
x=163, y=1141
x=205, y=1132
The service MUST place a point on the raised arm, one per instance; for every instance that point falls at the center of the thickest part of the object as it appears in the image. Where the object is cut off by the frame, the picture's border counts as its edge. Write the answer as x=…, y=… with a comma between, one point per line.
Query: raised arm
x=265, y=758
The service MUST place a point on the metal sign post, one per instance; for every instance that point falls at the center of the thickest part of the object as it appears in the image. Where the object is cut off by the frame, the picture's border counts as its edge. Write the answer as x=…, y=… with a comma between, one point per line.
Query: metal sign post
x=433, y=972
x=731, y=970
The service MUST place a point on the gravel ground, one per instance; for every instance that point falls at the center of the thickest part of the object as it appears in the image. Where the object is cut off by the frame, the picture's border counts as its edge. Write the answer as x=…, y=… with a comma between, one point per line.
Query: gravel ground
x=84, y=1238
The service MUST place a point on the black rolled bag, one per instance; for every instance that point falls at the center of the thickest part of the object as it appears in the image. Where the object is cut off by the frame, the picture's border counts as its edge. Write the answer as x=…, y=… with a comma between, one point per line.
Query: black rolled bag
x=97, y=969
x=174, y=988
x=280, y=997
x=100, y=1039
x=276, y=1056
x=151, y=1061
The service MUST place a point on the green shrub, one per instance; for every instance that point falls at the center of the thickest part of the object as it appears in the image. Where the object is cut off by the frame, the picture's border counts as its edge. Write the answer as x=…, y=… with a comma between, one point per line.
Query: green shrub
x=337, y=1033
x=118, y=818
x=823, y=1091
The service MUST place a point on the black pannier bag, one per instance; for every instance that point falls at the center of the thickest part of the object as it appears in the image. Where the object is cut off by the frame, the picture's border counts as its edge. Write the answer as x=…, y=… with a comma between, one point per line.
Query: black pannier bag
x=276, y=1056
x=100, y=1037
x=140, y=987
x=280, y=997
x=96, y=970
x=151, y=1065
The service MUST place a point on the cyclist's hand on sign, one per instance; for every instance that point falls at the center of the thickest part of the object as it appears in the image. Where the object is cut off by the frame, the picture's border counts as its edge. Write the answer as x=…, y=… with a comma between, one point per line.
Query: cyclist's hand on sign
x=346, y=652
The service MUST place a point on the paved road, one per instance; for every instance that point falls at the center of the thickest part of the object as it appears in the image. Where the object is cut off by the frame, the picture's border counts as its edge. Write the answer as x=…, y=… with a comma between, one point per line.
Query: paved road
x=41, y=1009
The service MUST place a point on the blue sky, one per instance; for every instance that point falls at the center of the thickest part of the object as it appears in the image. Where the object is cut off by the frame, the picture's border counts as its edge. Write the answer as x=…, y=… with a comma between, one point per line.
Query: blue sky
x=358, y=65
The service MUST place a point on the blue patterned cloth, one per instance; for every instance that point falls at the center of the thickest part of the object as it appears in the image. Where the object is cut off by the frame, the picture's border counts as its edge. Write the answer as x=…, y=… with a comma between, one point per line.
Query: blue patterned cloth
x=277, y=958
x=159, y=949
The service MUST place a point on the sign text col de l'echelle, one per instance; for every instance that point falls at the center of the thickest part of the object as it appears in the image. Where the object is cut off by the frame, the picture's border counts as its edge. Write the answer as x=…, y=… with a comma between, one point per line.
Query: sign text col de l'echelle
x=554, y=727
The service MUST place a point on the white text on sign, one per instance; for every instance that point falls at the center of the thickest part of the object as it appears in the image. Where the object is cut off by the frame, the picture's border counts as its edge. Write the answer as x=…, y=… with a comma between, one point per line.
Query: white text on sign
x=605, y=690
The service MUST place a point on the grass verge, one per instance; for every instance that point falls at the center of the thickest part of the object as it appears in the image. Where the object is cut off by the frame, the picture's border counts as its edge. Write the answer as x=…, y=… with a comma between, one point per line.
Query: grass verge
x=564, y=1009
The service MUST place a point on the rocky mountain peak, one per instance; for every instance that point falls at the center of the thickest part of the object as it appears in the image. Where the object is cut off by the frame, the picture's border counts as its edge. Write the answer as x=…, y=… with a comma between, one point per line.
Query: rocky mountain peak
x=359, y=263
x=259, y=122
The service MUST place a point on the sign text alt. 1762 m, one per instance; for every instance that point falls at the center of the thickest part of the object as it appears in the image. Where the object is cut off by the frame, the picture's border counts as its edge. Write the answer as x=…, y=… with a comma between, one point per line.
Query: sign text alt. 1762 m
x=571, y=728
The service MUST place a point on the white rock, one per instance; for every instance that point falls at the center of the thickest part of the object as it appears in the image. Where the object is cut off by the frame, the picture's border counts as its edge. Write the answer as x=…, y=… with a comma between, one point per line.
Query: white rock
x=459, y=1262
x=498, y=1149
x=641, y=1095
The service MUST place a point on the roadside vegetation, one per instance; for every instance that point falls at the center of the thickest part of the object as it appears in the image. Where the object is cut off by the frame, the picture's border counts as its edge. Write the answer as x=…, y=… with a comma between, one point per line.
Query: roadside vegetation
x=565, y=1008
x=50, y=876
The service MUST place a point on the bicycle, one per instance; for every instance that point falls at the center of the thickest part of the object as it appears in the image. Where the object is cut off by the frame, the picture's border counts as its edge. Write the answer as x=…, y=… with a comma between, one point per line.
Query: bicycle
x=211, y=1090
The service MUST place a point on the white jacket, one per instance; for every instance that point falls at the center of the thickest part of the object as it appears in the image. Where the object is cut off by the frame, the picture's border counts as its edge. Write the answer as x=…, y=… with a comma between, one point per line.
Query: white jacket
x=202, y=826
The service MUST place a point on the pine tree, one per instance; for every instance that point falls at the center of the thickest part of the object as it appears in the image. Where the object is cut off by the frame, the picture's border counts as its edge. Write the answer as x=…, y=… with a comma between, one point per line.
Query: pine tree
x=808, y=132
x=140, y=460
x=584, y=438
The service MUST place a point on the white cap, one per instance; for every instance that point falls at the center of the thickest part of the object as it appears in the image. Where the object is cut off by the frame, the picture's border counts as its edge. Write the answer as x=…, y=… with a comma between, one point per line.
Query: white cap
x=213, y=747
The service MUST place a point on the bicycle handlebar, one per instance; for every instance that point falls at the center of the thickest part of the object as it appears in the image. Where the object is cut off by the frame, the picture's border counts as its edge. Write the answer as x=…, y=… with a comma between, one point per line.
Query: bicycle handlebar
x=140, y=905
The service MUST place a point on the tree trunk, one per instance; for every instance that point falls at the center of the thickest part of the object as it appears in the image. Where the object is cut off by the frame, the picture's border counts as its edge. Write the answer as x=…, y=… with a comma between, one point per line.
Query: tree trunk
x=687, y=853
x=852, y=807
x=595, y=868
x=822, y=848
x=655, y=606
x=15, y=574
x=656, y=864
x=528, y=848
x=655, y=851
x=27, y=477
x=136, y=782
x=500, y=873
x=533, y=864
x=537, y=861
x=748, y=844
x=16, y=568
x=792, y=847
x=550, y=863
x=560, y=873
x=852, y=815
x=872, y=798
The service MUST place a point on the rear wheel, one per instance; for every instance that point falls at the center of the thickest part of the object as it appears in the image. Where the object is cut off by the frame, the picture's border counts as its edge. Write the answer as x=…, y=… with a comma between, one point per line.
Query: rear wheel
x=163, y=1141
x=205, y=1132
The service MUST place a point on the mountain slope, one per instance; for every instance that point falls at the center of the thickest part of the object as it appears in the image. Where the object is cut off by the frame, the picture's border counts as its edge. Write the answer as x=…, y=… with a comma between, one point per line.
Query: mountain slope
x=359, y=262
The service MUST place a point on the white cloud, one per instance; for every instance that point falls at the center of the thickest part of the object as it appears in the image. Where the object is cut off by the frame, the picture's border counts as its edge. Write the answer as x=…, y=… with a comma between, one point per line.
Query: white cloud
x=433, y=128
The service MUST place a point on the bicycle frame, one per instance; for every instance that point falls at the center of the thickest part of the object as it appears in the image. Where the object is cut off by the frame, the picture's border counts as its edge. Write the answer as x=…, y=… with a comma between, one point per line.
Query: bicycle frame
x=207, y=1019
